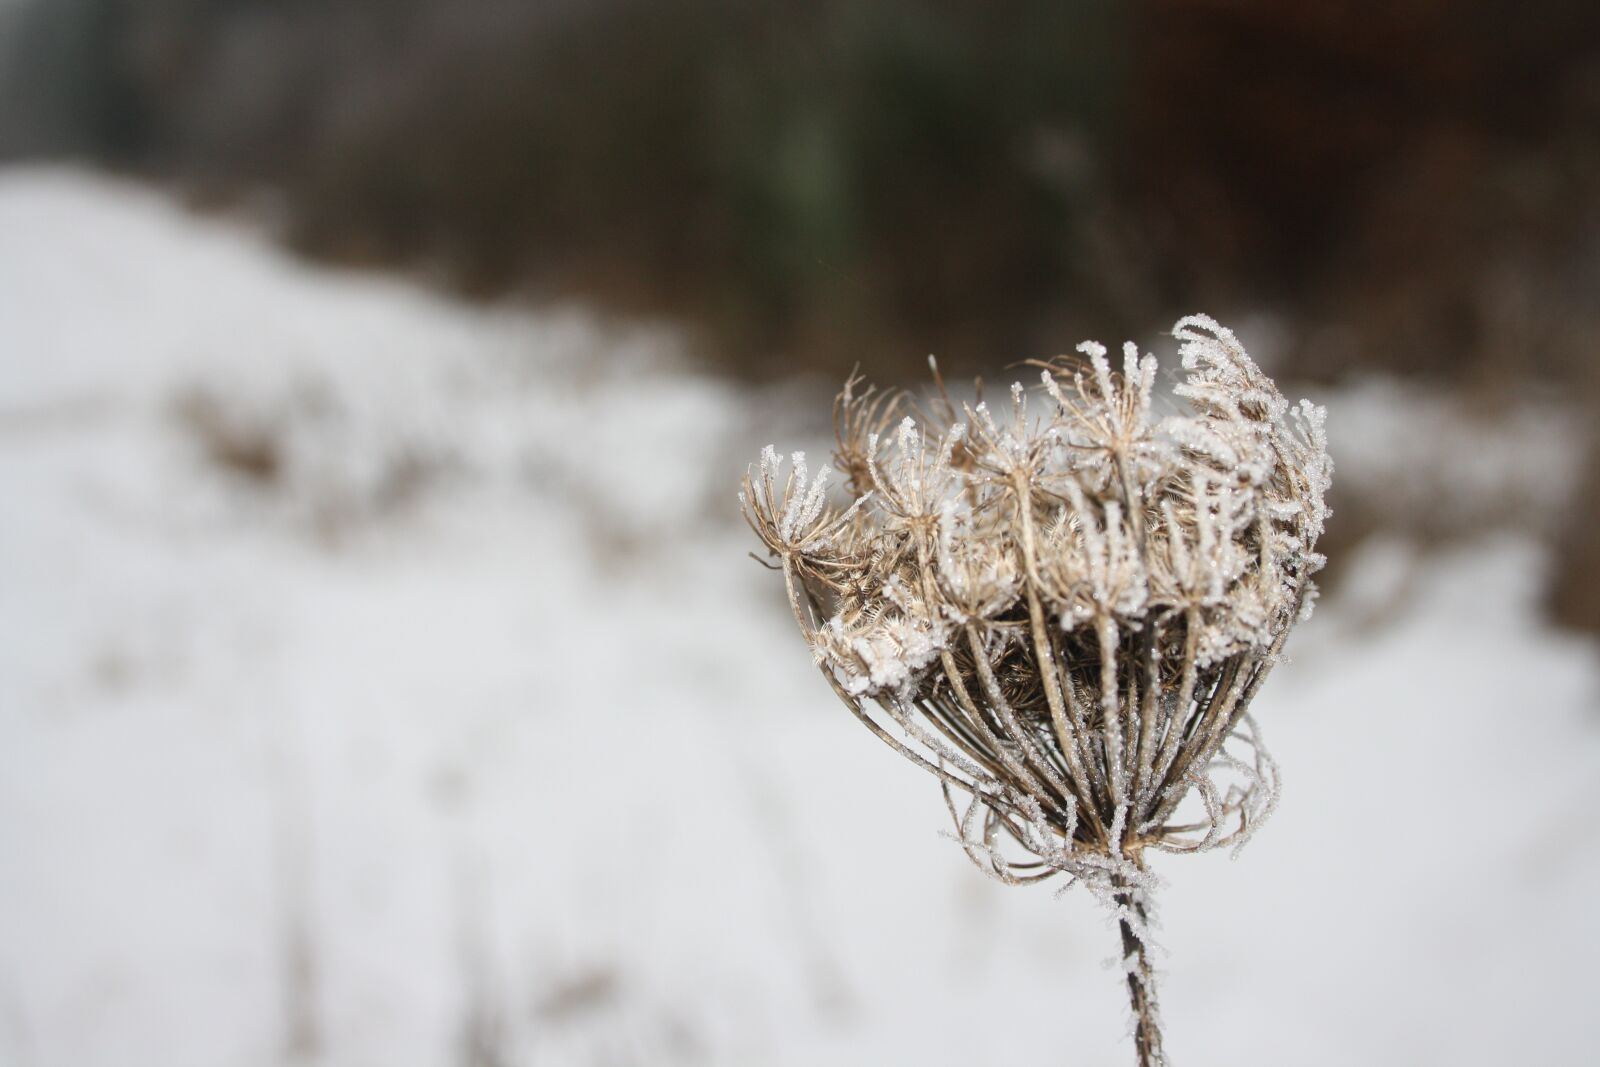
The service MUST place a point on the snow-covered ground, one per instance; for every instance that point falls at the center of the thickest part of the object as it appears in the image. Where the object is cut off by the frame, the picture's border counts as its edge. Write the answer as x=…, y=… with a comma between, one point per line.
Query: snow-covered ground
x=384, y=681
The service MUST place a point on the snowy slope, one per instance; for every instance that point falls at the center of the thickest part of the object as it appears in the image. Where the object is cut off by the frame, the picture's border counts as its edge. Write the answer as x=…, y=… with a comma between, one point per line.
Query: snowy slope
x=384, y=682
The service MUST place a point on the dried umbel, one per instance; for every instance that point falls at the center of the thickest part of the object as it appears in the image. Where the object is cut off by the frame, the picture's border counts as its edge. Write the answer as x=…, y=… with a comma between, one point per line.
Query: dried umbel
x=1064, y=608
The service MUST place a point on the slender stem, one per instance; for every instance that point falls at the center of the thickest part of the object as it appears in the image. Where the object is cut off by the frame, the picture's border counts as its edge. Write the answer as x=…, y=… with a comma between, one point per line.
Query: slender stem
x=1134, y=926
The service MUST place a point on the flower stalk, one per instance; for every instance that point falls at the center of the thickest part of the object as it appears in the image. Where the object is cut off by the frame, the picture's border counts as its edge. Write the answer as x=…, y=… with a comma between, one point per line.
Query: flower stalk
x=1063, y=608
x=1133, y=923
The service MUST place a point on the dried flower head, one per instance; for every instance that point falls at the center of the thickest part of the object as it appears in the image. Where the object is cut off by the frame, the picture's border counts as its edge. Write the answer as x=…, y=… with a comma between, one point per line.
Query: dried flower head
x=1063, y=607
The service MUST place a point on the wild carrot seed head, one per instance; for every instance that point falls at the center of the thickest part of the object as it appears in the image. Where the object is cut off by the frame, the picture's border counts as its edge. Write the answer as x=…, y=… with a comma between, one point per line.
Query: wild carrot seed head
x=1063, y=606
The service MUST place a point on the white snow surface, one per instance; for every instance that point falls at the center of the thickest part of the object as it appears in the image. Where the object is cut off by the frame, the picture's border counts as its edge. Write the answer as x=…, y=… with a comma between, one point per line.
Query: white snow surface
x=469, y=734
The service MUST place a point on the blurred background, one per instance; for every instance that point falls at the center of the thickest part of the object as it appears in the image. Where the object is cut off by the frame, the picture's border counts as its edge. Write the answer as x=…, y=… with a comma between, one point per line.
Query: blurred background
x=383, y=678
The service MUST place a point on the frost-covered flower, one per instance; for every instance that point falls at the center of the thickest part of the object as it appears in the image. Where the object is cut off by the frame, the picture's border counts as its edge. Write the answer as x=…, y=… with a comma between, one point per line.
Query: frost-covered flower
x=1064, y=611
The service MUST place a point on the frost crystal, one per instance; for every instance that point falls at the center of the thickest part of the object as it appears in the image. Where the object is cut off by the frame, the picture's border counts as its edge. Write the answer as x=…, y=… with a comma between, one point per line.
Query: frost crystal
x=1065, y=614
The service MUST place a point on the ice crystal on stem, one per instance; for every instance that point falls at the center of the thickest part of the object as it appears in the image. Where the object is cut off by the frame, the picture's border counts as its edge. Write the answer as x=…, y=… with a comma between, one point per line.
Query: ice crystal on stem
x=1063, y=611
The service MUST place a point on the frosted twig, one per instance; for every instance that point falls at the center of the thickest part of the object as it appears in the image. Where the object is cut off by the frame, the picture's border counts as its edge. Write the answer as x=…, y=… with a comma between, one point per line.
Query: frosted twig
x=1066, y=616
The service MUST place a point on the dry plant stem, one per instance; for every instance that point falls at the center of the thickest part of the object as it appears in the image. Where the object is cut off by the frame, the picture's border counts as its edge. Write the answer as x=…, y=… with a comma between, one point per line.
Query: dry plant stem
x=1066, y=616
x=1134, y=926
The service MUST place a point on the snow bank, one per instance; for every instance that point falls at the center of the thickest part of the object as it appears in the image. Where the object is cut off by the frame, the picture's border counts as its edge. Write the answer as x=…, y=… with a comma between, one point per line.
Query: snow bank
x=384, y=681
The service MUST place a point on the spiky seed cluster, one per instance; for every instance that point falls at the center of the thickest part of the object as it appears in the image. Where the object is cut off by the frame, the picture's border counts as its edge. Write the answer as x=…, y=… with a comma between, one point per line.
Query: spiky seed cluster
x=1064, y=608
